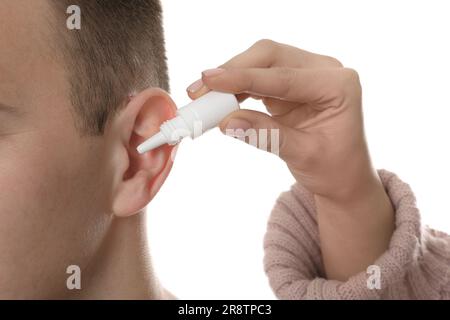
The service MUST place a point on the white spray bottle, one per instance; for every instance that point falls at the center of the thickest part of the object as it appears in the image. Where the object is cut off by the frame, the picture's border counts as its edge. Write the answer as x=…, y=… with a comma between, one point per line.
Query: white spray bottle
x=193, y=120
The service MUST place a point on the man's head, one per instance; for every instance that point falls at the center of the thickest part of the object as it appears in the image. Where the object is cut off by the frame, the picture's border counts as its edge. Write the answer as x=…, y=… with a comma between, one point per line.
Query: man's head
x=68, y=132
x=119, y=49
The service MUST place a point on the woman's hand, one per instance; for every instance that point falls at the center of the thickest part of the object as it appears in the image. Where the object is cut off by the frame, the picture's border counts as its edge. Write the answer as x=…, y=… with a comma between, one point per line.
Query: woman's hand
x=315, y=103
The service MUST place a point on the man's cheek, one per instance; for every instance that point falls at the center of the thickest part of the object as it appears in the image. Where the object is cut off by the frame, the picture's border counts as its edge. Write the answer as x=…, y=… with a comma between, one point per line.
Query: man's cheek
x=28, y=184
x=31, y=210
x=20, y=217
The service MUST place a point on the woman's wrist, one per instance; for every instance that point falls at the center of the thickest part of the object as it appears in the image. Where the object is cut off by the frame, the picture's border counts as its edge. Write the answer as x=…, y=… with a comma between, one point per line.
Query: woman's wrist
x=356, y=230
x=366, y=189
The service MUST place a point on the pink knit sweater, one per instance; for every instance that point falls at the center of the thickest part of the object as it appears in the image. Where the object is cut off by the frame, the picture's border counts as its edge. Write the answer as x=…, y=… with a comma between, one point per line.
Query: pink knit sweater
x=415, y=266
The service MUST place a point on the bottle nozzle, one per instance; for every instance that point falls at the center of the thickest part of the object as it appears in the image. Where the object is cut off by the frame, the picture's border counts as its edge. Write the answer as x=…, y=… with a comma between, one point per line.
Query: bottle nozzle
x=154, y=142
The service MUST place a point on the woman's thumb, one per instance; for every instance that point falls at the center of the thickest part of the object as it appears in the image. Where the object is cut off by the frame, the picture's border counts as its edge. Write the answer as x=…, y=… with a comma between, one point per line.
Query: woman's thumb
x=257, y=129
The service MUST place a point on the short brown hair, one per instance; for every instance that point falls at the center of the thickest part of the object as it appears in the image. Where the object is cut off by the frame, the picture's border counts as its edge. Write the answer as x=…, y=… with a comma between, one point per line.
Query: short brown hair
x=119, y=49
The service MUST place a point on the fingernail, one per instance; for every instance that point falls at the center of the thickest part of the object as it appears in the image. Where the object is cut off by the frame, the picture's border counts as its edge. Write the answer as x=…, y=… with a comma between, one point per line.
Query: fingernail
x=236, y=124
x=197, y=85
x=213, y=72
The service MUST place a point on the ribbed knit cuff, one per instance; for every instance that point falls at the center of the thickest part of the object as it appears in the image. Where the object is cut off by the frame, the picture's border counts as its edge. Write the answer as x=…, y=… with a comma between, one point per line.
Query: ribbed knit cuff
x=294, y=265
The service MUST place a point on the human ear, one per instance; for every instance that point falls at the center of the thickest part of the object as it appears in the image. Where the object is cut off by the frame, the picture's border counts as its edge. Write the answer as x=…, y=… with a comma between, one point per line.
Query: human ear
x=138, y=177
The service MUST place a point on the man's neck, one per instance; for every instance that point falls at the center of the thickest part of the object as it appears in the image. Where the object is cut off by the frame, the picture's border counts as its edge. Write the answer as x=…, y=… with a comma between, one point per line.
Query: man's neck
x=122, y=269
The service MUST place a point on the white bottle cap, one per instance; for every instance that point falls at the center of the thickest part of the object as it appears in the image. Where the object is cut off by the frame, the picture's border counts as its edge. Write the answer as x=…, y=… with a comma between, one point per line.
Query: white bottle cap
x=193, y=120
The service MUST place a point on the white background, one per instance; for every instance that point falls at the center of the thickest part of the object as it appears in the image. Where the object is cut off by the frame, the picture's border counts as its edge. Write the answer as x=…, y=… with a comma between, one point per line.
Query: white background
x=206, y=225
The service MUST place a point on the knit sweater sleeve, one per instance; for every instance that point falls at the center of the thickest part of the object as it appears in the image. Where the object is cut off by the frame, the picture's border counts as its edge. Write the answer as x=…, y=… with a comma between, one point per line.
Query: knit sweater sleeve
x=415, y=266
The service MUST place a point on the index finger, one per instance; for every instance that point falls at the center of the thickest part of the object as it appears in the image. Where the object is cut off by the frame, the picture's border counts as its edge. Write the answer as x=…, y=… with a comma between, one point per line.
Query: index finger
x=321, y=86
x=268, y=53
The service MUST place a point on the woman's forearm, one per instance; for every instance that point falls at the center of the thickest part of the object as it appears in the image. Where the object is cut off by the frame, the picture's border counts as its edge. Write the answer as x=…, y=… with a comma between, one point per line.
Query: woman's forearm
x=354, y=232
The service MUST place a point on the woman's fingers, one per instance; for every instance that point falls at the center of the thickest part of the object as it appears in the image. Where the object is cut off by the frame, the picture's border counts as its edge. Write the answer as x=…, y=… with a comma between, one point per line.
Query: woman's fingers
x=266, y=54
x=260, y=55
x=319, y=86
x=262, y=131
x=197, y=89
x=278, y=107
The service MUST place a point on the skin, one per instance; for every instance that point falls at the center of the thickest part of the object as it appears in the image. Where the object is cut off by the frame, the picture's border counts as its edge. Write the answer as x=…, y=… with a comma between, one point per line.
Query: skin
x=67, y=199
x=315, y=103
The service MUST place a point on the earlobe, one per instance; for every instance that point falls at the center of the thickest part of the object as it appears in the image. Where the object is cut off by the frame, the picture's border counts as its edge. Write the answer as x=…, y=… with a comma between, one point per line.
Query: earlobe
x=141, y=176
